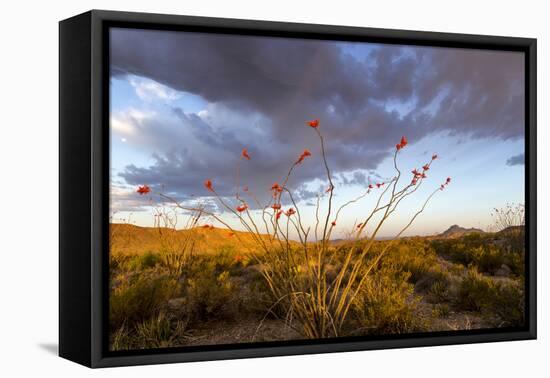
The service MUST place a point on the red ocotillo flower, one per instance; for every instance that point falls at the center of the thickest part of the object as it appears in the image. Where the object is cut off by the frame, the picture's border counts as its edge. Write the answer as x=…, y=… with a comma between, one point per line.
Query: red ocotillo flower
x=242, y=207
x=245, y=154
x=143, y=189
x=276, y=206
x=359, y=225
x=398, y=146
x=329, y=189
x=414, y=181
x=276, y=189
x=208, y=185
x=370, y=186
x=313, y=123
x=278, y=215
x=333, y=223
x=434, y=156
x=415, y=172
x=304, y=154
x=290, y=212
x=426, y=167
x=378, y=185
x=448, y=180
x=403, y=142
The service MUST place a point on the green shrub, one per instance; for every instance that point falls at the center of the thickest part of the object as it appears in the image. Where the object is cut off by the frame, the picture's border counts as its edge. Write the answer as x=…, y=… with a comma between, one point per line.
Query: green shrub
x=441, y=310
x=503, y=298
x=139, y=298
x=144, y=261
x=439, y=291
x=482, y=252
x=387, y=304
x=157, y=332
x=210, y=296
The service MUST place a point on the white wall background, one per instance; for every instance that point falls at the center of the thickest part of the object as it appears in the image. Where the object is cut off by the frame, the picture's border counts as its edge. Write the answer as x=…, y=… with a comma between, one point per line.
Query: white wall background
x=29, y=189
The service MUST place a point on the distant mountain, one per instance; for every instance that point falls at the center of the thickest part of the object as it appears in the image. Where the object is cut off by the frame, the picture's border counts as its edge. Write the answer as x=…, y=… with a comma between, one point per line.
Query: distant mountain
x=128, y=239
x=455, y=231
x=512, y=230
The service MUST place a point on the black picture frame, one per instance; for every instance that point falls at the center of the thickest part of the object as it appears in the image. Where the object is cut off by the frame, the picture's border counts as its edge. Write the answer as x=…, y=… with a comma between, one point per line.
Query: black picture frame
x=84, y=194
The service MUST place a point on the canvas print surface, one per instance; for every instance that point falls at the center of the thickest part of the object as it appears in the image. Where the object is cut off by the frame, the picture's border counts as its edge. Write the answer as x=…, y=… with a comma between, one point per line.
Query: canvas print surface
x=268, y=189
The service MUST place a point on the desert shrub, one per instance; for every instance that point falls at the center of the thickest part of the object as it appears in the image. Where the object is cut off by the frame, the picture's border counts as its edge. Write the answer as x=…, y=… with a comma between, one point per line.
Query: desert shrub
x=482, y=252
x=509, y=303
x=157, y=332
x=503, y=298
x=475, y=291
x=141, y=262
x=387, y=303
x=413, y=256
x=139, y=298
x=441, y=310
x=210, y=295
x=439, y=291
x=434, y=281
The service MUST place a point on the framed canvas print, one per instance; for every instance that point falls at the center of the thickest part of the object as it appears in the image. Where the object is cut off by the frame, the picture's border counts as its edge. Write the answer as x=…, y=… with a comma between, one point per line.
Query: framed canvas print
x=234, y=188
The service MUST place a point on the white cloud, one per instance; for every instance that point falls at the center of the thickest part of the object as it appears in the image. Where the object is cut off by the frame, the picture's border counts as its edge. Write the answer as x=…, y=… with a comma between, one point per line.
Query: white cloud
x=149, y=90
x=126, y=123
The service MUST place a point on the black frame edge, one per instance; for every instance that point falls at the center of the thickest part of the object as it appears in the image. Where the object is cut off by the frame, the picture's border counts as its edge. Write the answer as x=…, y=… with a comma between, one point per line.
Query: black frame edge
x=75, y=272
x=531, y=182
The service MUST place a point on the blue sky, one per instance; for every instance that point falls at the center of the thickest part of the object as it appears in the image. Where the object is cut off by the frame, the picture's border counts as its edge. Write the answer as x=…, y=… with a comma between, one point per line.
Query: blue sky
x=183, y=107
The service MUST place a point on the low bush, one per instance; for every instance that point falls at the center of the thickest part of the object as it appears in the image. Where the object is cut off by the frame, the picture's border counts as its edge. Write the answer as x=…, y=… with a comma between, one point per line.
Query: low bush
x=157, y=332
x=139, y=298
x=503, y=298
x=387, y=304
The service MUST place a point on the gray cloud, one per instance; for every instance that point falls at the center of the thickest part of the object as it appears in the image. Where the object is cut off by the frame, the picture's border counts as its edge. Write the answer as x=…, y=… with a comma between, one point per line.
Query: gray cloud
x=261, y=90
x=516, y=160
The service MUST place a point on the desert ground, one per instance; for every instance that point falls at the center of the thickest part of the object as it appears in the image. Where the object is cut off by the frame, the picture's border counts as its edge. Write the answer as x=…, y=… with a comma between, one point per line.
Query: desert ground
x=199, y=286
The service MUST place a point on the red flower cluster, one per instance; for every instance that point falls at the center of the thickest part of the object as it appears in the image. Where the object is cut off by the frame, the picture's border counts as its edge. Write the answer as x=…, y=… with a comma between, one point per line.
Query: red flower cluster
x=333, y=223
x=290, y=212
x=208, y=185
x=276, y=189
x=418, y=175
x=304, y=154
x=447, y=182
x=278, y=215
x=242, y=207
x=276, y=206
x=143, y=189
x=402, y=143
x=245, y=154
x=314, y=123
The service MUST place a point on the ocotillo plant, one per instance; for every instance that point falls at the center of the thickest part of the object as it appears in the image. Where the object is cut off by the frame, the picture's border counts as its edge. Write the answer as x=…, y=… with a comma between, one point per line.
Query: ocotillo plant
x=296, y=271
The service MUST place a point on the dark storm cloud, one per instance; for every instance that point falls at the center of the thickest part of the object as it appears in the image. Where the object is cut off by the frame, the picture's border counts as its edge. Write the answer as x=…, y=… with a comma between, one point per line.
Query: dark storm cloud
x=516, y=160
x=285, y=82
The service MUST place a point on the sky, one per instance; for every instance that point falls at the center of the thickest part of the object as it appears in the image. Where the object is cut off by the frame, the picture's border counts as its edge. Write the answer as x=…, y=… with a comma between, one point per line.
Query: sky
x=184, y=105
